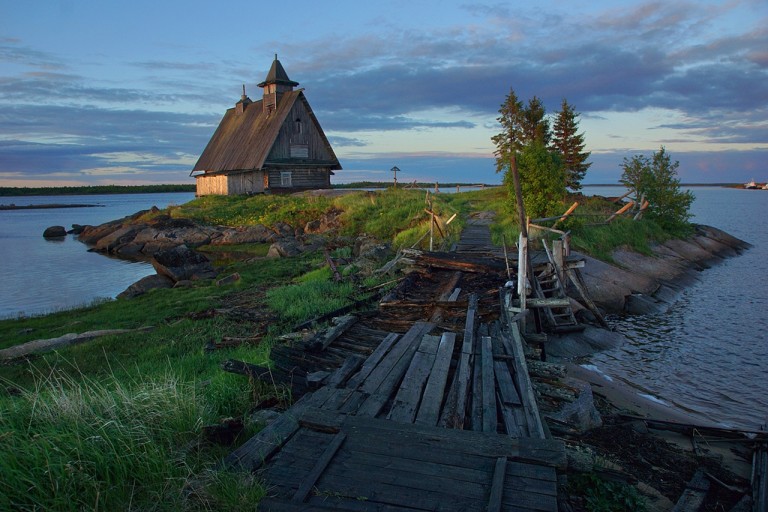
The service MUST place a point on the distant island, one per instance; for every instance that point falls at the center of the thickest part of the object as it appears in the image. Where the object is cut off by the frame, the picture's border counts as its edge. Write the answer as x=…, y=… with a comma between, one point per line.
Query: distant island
x=94, y=190
x=169, y=188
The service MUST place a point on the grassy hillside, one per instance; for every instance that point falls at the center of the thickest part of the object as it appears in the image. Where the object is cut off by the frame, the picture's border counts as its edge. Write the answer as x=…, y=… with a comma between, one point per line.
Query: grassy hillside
x=119, y=420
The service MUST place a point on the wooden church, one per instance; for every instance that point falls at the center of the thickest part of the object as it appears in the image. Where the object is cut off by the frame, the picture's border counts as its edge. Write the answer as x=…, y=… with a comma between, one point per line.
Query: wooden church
x=274, y=144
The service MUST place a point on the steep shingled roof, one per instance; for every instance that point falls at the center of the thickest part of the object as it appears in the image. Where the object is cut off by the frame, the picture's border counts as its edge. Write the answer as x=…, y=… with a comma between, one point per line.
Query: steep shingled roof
x=244, y=141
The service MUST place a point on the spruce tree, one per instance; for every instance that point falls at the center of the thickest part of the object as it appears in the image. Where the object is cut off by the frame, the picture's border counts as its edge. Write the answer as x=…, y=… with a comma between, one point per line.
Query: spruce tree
x=511, y=137
x=535, y=124
x=570, y=144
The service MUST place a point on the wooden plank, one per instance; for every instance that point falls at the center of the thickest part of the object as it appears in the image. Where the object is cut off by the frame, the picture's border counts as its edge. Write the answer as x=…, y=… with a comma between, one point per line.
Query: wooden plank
x=554, y=302
x=353, y=402
x=322, y=463
x=488, y=385
x=273, y=504
x=385, y=377
x=404, y=478
x=760, y=478
x=455, y=295
x=511, y=424
x=406, y=402
x=409, y=340
x=497, y=486
x=254, y=452
x=393, y=493
x=507, y=390
x=373, y=360
x=535, y=427
x=429, y=410
x=476, y=395
x=320, y=343
x=547, y=451
x=340, y=376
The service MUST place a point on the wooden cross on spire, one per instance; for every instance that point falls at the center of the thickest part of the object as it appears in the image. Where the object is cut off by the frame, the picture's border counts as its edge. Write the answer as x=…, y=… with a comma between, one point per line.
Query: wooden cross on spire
x=395, y=170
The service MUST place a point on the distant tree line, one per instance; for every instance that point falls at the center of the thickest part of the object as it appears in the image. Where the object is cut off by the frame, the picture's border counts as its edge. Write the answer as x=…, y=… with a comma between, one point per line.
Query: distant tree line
x=94, y=190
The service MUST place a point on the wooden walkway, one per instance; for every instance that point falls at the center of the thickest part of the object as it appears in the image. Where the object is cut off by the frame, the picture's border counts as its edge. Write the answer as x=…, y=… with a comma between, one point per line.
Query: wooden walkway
x=440, y=417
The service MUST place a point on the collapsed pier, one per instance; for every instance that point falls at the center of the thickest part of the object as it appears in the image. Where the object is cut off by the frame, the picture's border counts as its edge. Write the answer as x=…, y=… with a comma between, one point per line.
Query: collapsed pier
x=423, y=404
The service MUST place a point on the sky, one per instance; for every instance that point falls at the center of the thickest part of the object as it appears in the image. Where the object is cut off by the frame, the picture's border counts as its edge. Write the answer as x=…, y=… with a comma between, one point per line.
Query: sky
x=129, y=92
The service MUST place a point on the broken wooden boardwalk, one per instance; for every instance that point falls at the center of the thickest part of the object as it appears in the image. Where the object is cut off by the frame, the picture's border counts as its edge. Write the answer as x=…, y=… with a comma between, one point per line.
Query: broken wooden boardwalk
x=431, y=409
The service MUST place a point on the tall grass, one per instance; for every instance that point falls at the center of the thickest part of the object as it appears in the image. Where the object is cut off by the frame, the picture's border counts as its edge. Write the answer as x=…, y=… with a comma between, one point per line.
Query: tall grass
x=602, y=240
x=394, y=214
x=299, y=302
x=113, y=445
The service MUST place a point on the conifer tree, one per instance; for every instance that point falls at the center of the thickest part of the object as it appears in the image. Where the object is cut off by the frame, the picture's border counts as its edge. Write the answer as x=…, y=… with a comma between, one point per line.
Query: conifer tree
x=535, y=124
x=511, y=138
x=570, y=144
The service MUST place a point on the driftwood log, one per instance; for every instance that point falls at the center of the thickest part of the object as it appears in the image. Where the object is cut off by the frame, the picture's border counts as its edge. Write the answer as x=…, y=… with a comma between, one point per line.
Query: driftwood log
x=45, y=345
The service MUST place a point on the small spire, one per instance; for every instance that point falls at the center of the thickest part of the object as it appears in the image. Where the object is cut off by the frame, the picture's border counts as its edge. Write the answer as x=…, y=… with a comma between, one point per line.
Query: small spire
x=275, y=56
x=243, y=97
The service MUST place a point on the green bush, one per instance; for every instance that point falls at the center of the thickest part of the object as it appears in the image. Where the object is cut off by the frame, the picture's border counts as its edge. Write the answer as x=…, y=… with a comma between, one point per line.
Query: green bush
x=605, y=496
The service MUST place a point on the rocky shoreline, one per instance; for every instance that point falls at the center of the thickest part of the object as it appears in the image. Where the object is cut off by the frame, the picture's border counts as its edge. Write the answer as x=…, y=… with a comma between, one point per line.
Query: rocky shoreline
x=632, y=283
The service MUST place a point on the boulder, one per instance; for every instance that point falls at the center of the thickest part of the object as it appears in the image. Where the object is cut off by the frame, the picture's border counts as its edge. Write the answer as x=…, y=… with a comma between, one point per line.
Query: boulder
x=581, y=414
x=230, y=279
x=145, y=284
x=328, y=222
x=116, y=239
x=181, y=262
x=561, y=347
x=76, y=229
x=257, y=234
x=92, y=234
x=284, y=230
x=639, y=304
x=55, y=232
x=284, y=248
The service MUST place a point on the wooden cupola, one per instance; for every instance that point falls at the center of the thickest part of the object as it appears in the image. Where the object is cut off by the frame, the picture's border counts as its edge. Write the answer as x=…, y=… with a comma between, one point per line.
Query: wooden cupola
x=276, y=83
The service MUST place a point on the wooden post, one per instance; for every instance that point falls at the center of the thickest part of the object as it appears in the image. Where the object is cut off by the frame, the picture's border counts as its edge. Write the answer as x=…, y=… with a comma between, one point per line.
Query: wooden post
x=558, y=253
x=518, y=197
x=431, y=230
x=620, y=211
x=566, y=214
x=523, y=256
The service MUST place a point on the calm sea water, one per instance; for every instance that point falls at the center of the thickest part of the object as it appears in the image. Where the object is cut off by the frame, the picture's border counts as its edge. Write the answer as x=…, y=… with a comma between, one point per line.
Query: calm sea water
x=39, y=276
x=708, y=355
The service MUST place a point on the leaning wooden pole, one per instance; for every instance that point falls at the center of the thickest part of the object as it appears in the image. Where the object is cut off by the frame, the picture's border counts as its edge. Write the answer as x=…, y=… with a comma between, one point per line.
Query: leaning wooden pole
x=518, y=196
x=524, y=257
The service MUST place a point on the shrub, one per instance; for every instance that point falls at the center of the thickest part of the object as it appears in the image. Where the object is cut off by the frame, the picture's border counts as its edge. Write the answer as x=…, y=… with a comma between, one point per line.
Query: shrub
x=656, y=180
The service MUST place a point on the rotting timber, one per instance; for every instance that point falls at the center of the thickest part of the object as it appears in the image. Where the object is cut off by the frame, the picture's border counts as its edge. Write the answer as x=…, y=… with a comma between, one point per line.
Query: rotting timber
x=423, y=404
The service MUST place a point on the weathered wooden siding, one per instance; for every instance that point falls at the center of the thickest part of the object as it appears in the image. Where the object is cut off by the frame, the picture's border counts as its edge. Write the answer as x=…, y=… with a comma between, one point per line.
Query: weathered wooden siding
x=231, y=184
x=300, y=129
x=301, y=178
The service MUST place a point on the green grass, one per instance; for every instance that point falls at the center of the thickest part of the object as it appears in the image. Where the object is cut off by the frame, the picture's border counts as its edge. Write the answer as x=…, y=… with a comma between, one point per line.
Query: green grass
x=262, y=209
x=109, y=444
x=105, y=424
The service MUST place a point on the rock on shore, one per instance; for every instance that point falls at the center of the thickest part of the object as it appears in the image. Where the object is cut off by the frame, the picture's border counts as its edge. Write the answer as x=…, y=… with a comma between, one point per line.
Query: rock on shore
x=636, y=283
